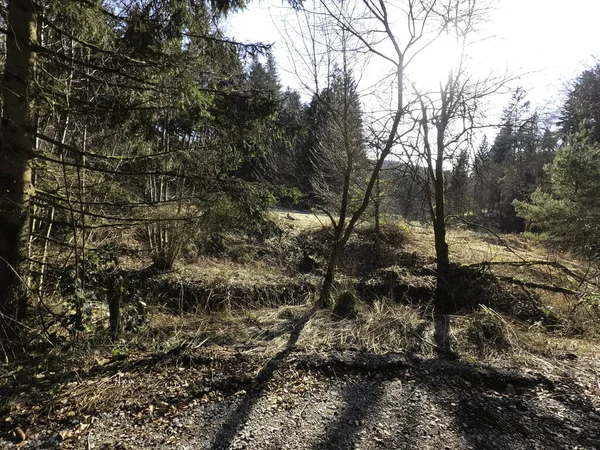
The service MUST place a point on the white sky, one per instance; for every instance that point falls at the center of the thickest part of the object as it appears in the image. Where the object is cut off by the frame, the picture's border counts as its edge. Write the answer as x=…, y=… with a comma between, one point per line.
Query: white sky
x=549, y=42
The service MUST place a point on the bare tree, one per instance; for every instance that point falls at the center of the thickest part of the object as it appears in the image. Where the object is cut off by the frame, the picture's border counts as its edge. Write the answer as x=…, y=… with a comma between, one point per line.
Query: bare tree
x=391, y=35
x=447, y=119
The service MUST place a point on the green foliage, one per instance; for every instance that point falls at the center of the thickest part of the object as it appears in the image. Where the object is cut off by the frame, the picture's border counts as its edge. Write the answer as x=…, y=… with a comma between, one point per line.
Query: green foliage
x=546, y=212
x=583, y=103
x=81, y=285
x=512, y=167
x=575, y=172
x=592, y=301
x=337, y=152
x=571, y=207
x=240, y=208
x=458, y=184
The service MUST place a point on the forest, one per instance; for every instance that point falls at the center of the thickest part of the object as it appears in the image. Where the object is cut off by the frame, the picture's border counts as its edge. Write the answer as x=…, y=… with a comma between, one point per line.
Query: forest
x=195, y=255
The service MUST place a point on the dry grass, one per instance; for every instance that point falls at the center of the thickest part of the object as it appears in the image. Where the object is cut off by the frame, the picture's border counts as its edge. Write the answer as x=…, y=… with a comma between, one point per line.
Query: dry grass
x=381, y=328
x=157, y=356
x=261, y=327
x=257, y=325
x=485, y=334
x=301, y=221
x=383, y=325
x=468, y=246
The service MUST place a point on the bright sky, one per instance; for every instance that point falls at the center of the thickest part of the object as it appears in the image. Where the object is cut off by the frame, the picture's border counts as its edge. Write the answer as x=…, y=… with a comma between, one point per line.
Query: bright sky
x=549, y=42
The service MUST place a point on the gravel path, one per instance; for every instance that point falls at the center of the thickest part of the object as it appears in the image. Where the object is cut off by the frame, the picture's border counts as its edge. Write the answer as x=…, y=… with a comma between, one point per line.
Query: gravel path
x=339, y=400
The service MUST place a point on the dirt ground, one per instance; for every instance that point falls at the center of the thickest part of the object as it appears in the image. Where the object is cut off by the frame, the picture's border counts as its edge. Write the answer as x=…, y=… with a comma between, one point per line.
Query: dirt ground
x=216, y=397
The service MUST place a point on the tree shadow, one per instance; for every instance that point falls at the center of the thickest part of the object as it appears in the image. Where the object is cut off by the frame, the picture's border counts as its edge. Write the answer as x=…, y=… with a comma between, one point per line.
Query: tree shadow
x=497, y=409
x=357, y=425
x=359, y=400
x=505, y=409
x=441, y=336
x=237, y=418
x=487, y=407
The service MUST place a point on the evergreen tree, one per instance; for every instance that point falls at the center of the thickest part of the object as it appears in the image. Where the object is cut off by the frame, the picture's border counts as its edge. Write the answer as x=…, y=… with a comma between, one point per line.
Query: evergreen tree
x=570, y=207
x=565, y=203
x=458, y=185
x=515, y=162
x=582, y=103
x=309, y=149
x=283, y=164
x=142, y=116
x=18, y=135
x=482, y=181
x=338, y=152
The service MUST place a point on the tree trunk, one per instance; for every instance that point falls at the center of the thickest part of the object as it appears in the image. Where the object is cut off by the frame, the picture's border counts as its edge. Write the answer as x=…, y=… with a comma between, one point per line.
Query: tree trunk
x=18, y=145
x=439, y=223
x=377, y=204
x=439, y=226
x=443, y=298
x=114, y=307
x=441, y=246
x=325, y=295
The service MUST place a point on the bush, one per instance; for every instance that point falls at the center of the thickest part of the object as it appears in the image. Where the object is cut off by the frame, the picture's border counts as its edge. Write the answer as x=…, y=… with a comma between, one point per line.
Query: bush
x=346, y=306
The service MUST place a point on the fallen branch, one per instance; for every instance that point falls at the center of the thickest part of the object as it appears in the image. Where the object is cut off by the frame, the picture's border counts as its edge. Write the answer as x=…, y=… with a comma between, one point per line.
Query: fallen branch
x=546, y=287
x=483, y=227
x=554, y=264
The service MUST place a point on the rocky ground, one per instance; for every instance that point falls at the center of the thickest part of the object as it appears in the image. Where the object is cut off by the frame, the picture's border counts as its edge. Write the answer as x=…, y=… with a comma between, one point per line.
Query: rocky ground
x=222, y=398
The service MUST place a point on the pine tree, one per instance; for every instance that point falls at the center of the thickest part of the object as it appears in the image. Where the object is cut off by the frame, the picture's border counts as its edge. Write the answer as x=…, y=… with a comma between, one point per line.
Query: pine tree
x=141, y=116
x=569, y=208
x=516, y=159
x=582, y=103
x=458, y=185
x=338, y=155
x=18, y=135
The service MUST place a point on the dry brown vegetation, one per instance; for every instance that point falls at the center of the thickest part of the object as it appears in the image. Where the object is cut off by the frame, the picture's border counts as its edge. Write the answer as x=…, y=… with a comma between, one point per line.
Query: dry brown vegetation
x=501, y=288
x=256, y=298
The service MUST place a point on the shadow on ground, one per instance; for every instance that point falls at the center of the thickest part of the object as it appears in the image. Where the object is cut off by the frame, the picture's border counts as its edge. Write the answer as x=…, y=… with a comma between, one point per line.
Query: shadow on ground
x=230, y=428
x=482, y=407
x=390, y=401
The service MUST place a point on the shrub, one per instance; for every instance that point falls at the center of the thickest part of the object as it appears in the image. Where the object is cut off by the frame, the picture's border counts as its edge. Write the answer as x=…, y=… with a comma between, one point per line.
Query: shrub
x=346, y=306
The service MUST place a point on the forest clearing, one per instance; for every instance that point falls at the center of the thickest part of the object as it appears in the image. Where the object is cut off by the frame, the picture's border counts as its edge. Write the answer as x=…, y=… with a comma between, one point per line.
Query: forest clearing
x=375, y=231
x=283, y=375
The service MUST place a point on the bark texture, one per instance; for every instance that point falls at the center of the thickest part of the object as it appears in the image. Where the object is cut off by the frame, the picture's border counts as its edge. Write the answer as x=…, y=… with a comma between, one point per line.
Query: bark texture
x=17, y=147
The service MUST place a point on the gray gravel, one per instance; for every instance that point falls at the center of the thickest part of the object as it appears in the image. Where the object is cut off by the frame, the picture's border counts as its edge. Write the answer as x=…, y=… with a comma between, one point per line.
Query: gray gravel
x=349, y=401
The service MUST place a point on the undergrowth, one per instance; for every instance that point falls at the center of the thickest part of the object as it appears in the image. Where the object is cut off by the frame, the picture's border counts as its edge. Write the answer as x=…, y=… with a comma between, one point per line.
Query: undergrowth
x=253, y=295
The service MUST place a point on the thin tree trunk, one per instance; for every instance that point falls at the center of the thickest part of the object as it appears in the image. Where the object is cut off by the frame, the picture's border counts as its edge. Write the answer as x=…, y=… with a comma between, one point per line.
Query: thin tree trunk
x=18, y=145
x=114, y=307
x=436, y=199
x=43, y=267
x=439, y=225
x=377, y=204
x=441, y=246
x=326, y=288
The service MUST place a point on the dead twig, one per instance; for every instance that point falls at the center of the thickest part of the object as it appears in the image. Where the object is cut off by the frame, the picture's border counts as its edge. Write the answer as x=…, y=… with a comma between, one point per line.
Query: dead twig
x=580, y=278
x=531, y=284
x=483, y=227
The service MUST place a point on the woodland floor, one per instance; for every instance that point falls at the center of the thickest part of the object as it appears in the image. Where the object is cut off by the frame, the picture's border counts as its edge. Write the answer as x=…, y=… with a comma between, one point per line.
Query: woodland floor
x=290, y=378
x=218, y=398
